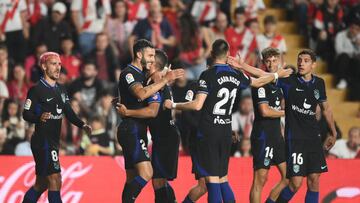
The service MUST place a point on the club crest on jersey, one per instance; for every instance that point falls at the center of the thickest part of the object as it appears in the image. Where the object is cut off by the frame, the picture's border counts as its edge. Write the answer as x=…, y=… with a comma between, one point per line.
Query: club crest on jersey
x=261, y=92
x=27, y=104
x=129, y=78
x=63, y=97
x=296, y=168
x=202, y=83
x=189, y=95
x=266, y=161
x=316, y=94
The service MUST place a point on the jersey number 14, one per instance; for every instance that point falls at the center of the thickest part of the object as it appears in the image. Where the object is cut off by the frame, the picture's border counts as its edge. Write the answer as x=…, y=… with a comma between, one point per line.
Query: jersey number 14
x=225, y=95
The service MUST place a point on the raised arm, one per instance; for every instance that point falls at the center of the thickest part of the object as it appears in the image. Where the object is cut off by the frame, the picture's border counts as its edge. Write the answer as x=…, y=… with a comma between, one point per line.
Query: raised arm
x=194, y=105
x=240, y=64
x=263, y=80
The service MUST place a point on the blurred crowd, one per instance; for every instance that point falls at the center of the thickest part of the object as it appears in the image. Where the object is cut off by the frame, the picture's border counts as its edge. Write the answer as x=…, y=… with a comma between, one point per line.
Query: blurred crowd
x=94, y=39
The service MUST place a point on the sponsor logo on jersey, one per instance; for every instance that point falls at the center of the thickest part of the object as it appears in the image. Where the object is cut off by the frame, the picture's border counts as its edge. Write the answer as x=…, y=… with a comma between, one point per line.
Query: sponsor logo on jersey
x=316, y=94
x=221, y=121
x=64, y=97
x=27, y=104
x=57, y=117
x=306, y=106
x=261, y=92
x=129, y=78
x=277, y=102
x=323, y=167
x=59, y=111
x=189, y=95
x=296, y=168
x=49, y=99
x=299, y=90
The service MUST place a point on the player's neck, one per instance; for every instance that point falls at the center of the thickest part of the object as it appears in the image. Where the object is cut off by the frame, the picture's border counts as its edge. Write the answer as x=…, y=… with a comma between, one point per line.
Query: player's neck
x=220, y=61
x=137, y=64
x=50, y=81
x=307, y=77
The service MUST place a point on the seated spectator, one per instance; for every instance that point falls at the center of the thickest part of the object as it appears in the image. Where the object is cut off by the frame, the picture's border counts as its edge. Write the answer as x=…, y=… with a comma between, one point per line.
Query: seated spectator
x=252, y=7
x=24, y=148
x=105, y=110
x=219, y=28
x=156, y=29
x=12, y=120
x=18, y=84
x=241, y=40
x=104, y=57
x=254, y=26
x=32, y=69
x=346, y=49
x=172, y=12
x=242, y=120
x=193, y=54
x=119, y=29
x=6, y=64
x=270, y=38
x=204, y=11
x=50, y=30
x=87, y=88
x=5, y=148
x=98, y=143
x=244, y=148
x=69, y=60
x=89, y=19
x=347, y=149
x=36, y=10
x=137, y=10
x=4, y=94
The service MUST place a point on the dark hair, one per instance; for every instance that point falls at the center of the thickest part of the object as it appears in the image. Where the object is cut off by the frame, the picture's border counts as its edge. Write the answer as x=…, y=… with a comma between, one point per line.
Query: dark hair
x=161, y=59
x=100, y=34
x=189, y=32
x=113, y=7
x=269, y=52
x=309, y=52
x=219, y=48
x=239, y=11
x=97, y=118
x=89, y=62
x=66, y=37
x=5, y=114
x=140, y=45
x=269, y=19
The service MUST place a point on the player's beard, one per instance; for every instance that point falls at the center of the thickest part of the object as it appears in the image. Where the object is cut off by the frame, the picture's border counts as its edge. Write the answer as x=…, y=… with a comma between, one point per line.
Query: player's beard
x=143, y=63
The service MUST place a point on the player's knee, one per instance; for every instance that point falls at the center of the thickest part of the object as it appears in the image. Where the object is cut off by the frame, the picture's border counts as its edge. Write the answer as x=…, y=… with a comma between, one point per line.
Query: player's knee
x=54, y=180
x=313, y=182
x=295, y=185
x=261, y=180
x=147, y=174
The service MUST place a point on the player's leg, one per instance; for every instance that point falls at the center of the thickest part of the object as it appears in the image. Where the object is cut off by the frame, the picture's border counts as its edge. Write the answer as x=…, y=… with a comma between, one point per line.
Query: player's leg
x=196, y=192
x=130, y=175
x=312, y=194
x=289, y=191
x=54, y=186
x=34, y=193
x=259, y=180
x=213, y=188
x=163, y=190
x=226, y=191
x=275, y=192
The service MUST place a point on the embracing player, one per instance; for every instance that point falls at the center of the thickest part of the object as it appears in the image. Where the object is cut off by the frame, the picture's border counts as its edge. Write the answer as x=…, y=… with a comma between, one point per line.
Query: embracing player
x=215, y=98
x=45, y=106
x=132, y=130
x=303, y=92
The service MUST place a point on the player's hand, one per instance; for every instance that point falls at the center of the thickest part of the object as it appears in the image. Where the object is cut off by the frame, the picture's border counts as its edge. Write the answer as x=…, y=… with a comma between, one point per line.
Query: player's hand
x=121, y=109
x=168, y=104
x=284, y=73
x=44, y=116
x=87, y=128
x=172, y=75
x=329, y=142
x=235, y=137
x=115, y=101
x=235, y=62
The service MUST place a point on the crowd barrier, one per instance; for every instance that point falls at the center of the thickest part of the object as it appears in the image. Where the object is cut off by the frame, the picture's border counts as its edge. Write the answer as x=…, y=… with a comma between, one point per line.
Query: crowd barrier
x=100, y=179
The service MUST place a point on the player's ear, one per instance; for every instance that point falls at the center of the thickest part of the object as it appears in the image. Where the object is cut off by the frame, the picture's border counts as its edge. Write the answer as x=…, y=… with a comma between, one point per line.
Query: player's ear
x=139, y=54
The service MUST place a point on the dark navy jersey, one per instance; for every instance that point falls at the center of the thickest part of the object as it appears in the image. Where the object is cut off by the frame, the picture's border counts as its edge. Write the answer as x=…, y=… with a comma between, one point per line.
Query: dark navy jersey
x=301, y=100
x=221, y=84
x=164, y=115
x=269, y=94
x=45, y=98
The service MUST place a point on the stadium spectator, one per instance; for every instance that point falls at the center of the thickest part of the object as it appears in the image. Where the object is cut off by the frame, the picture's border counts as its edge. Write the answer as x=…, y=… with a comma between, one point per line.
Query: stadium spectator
x=4, y=146
x=87, y=88
x=347, y=149
x=32, y=67
x=36, y=10
x=244, y=148
x=252, y=7
x=50, y=30
x=193, y=54
x=14, y=29
x=18, y=84
x=254, y=26
x=219, y=27
x=242, y=120
x=137, y=10
x=347, y=47
x=172, y=12
x=203, y=11
x=12, y=120
x=242, y=41
x=6, y=63
x=156, y=29
x=119, y=29
x=98, y=143
x=328, y=21
x=24, y=148
x=4, y=94
x=104, y=57
x=270, y=38
x=89, y=18
x=70, y=61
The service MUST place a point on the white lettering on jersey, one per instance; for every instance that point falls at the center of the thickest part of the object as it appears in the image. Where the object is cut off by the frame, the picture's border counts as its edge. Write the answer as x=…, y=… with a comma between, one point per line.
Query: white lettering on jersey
x=228, y=79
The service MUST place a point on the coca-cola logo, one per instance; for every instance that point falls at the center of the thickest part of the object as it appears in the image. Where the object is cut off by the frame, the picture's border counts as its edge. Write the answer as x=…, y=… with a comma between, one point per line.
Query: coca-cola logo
x=25, y=176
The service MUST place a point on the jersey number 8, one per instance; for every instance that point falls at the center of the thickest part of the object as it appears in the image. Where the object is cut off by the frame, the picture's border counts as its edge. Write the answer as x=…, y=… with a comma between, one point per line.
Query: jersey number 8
x=225, y=94
x=54, y=155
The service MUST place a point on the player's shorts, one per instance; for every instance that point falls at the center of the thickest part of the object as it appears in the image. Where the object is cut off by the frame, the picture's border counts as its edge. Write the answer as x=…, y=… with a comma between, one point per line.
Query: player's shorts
x=305, y=157
x=165, y=151
x=267, y=147
x=133, y=139
x=192, y=151
x=212, y=153
x=46, y=158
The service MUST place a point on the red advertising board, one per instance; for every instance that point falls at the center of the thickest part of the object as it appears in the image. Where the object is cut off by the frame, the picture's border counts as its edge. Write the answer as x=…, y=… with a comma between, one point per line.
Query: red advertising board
x=100, y=179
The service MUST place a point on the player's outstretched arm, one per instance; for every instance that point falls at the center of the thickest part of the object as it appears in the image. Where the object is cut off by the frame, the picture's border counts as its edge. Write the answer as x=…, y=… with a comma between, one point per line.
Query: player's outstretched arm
x=327, y=113
x=239, y=64
x=143, y=93
x=266, y=111
x=194, y=105
x=72, y=117
x=149, y=111
x=263, y=80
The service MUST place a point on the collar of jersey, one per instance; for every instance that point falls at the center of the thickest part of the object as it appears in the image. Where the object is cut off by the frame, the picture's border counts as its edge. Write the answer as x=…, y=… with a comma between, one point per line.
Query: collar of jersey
x=307, y=82
x=135, y=68
x=223, y=67
x=43, y=81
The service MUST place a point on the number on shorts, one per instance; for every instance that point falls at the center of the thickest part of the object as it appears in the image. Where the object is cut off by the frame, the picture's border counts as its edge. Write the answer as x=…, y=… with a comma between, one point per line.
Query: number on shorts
x=297, y=158
x=54, y=155
x=225, y=94
x=143, y=146
x=269, y=152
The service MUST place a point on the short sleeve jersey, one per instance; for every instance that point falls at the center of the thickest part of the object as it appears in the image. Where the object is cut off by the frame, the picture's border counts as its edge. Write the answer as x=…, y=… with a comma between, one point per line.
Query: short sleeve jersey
x=221, y=84
x=164, y=115
x=301, y=100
